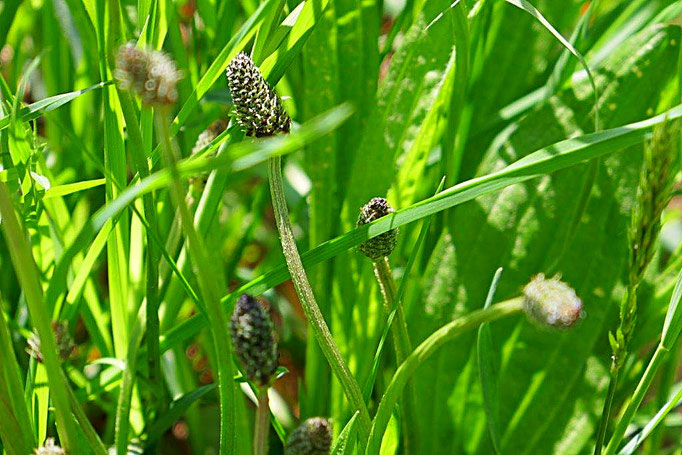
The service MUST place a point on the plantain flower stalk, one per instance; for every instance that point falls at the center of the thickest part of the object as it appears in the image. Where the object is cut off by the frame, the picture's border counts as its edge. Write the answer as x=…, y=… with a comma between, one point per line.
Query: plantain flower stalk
x=550, y=302
x=153, y=77
x=312, y=437
x=259, y=112
x=378, y=249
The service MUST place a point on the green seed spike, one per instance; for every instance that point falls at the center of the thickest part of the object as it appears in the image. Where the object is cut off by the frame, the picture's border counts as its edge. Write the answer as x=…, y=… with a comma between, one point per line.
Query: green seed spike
x=312, y=437
x=253, y=340
x=257, y=107
x=381, y=245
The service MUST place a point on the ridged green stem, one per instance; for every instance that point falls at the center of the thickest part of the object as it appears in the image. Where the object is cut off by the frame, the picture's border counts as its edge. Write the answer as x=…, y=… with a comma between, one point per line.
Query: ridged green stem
x=125, y=394
x=210, y=284
x=310, y=307
x=628, y=308
x=423, y=352
x=403, y=348
x=606, y=411
x=636, y=400
x=262, y=424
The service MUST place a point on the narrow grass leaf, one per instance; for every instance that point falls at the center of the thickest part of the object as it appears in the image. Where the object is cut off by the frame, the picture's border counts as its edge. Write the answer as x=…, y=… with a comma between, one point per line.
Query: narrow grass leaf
x=176, y=410
x=345, y=443
x=673, y=317
x=486, y=370
x=533, y=11
x=70, y=188
x=35, y=110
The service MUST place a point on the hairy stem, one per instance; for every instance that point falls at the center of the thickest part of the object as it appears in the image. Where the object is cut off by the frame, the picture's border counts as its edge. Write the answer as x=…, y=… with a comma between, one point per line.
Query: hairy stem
x=606, y=412
x=262, y=425
x=305, y=293
x=636, y=400
x=403, y=348
x=423, y=352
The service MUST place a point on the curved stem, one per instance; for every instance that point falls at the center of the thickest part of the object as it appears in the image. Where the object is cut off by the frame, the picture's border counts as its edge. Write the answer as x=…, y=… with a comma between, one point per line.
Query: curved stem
x=403, y=348
x=305, y=293
x=606, y=412
x=627, y=317
x=262, y=425
x=210, y=284
x=637, y=397
x=423, y=352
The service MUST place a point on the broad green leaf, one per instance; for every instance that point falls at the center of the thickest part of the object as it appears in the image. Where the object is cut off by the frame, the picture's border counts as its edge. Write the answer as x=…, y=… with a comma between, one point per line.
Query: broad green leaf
x=70, y=188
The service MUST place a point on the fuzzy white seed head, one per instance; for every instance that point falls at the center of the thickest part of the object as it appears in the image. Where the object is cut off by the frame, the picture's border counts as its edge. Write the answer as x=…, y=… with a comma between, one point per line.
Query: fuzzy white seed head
x=150, y=74
x=551, y=302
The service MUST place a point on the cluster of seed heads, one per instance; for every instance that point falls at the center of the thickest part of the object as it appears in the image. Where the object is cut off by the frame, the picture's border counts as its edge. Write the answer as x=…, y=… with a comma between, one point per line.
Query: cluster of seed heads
x=150, y=74
x=257, y=108
x=551, y=302
x=50, y=448
x=253, y=339
x=65, y=345
x=312, y=437
x=382, y=245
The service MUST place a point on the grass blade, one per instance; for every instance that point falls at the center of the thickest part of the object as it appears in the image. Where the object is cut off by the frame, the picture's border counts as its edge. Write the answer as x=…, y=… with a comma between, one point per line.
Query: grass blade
x=346, y=441
x=486, y=369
